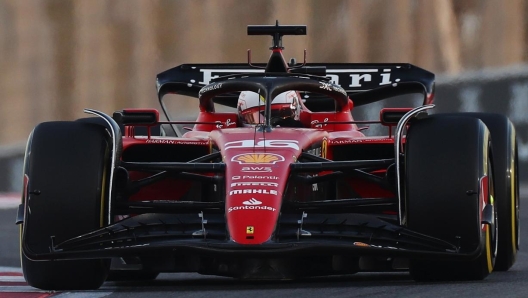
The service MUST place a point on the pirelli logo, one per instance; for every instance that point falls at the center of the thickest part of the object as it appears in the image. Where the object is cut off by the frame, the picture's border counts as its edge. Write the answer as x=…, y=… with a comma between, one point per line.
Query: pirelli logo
x=257, y=158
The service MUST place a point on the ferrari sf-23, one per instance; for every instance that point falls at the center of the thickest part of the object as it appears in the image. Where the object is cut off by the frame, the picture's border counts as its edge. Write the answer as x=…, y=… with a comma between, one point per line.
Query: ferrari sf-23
x=282, y=183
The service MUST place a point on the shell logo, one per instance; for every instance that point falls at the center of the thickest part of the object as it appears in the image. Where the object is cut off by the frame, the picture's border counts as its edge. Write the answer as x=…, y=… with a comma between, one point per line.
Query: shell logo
x=257, y=158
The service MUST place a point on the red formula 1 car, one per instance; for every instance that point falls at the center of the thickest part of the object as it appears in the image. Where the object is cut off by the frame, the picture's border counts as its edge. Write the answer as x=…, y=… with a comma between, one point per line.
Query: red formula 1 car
x=285, y=185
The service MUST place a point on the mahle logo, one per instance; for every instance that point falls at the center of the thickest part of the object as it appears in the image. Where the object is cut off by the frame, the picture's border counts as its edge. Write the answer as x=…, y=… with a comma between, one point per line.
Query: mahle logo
x=257, y=158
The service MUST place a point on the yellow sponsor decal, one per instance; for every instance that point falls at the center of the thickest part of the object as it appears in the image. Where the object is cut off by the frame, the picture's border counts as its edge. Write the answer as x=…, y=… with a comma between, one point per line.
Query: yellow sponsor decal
x=489, y=260
x=250, y=230
x=324, y=148
x=257, y=158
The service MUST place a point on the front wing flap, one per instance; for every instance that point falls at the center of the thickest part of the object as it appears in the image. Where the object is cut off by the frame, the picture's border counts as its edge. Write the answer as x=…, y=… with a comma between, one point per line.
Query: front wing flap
x=354, y=234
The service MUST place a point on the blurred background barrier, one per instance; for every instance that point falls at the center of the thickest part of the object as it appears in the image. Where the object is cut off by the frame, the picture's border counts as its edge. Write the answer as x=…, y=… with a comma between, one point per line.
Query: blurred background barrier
x=11, y=168
x=58, y=57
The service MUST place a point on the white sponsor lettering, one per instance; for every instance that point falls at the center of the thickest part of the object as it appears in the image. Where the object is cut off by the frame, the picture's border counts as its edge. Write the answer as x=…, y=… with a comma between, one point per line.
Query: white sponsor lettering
x=356, y=79
x=316, y=124
x=339, y=89
x=256, y=169
x=175, y=142
x=264, y=143
x=332, y=87
x=255, y=177
x=252, y=202
x=250, y=208
x=333, y=78
x=325, y=86
x=210, y=88
x=226, y=124
x=356, y=75
x=344, y=142
x=352, y=141
x=253, y=191
x=273, y=184
x=385, y=78
x=155, y=141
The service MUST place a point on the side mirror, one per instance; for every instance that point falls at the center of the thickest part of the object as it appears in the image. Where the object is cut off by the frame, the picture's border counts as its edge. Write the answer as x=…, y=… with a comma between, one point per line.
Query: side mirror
x=140, y=117
x=391, y=116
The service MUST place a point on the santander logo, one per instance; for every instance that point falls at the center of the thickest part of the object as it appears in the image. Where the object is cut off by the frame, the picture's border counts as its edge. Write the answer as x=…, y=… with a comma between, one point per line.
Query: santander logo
x=252, y=202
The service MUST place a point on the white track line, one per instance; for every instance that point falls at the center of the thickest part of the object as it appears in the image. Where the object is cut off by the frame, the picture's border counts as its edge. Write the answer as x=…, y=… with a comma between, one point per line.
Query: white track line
x=12, y=278
x=10, y=269
x=19, y=290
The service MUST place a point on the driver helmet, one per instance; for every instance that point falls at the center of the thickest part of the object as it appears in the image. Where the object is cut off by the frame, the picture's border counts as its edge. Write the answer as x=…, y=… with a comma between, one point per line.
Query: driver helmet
x=251, y=107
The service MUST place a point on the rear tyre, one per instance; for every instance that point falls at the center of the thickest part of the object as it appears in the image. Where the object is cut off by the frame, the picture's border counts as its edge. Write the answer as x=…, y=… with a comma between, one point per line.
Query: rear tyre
x=506, y=185
x=448, y=164
x=67, y=173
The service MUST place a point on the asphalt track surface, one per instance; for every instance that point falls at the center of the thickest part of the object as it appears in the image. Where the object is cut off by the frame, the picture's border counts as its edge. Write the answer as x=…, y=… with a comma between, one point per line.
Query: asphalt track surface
x=513, y=283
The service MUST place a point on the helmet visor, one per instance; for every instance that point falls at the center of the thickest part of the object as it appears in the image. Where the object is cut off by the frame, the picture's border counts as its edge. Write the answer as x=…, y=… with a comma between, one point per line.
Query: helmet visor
x=256, y=115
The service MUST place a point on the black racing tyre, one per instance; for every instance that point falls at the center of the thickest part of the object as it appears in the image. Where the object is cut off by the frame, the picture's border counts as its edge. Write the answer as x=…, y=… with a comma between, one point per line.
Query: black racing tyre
x=447, y=160
x=505, y=163
x=126, y=275
x=67, y=170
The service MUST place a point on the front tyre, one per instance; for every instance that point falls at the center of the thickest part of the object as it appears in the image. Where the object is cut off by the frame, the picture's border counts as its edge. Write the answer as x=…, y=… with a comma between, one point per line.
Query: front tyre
x=448, y=183
x=67, y=170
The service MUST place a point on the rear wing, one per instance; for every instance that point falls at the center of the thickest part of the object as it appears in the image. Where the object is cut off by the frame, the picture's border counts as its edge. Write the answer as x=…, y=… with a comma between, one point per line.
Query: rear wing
x=363, y=82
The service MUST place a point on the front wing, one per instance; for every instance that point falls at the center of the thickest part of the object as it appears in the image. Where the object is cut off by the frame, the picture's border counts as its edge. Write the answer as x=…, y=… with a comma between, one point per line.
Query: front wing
x=199, y=234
